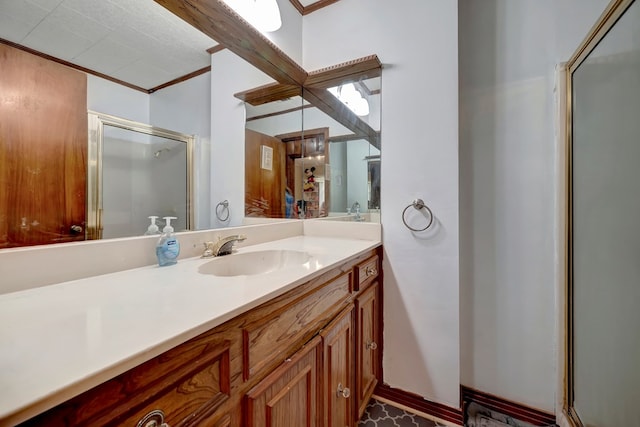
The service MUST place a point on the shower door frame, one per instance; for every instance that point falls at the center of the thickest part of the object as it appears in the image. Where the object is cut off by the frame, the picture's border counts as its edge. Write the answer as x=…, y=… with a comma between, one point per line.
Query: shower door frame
x=97, y=121
x=614, y=11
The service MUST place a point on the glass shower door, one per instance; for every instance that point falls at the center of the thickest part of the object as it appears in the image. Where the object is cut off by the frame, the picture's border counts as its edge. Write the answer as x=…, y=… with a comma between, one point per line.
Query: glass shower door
x=142, y=175
x=137, y=171
x=605, y=235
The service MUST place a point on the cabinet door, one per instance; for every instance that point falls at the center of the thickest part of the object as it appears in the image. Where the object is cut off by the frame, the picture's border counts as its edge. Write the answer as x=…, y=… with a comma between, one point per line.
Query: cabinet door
x=338, y=355
x=368, y=321
x=290, y=396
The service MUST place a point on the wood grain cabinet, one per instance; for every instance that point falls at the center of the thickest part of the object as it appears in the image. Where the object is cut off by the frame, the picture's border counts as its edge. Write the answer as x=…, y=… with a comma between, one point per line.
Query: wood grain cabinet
x=367, y=344
x=291, y=396
x=307, y=358
x=339, y=380
x=183, y=387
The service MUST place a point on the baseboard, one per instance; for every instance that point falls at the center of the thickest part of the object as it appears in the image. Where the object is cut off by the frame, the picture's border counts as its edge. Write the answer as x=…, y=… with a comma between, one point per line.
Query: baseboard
x=512, y=409
x=418, y=403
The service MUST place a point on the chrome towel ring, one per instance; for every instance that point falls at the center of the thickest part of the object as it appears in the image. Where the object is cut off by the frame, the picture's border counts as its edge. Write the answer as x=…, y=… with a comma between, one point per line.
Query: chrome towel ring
x=418, y=204
x=219, y=212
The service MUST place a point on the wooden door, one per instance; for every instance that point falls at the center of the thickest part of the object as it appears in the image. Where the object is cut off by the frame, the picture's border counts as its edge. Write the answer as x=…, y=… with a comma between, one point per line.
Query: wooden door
x=43, y=150
x=338, y=370
x=291, y=395
x=264, y=188
x=367, y=341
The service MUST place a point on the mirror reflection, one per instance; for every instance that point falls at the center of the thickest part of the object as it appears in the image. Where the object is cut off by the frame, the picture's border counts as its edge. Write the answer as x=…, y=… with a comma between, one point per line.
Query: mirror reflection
x=136, y=172
x=154, y=68
x=302, y=163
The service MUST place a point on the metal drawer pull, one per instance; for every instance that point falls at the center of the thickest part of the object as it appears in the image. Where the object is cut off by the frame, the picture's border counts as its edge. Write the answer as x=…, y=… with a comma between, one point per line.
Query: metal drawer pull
x=343, y=392
x=371, y=346
x=370, y=271
x=154, y=418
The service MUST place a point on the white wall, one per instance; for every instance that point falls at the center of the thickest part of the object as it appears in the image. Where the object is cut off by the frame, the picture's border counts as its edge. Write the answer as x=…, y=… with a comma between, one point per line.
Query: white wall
x=357, y=174
x=111, y=98
x=417, y=43
x=287, y=38
x=510, y=193
x=229, y=74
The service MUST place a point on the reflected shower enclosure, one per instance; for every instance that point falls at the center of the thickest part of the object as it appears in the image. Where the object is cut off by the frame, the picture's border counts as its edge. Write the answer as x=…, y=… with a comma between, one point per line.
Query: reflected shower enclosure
x=136, y=171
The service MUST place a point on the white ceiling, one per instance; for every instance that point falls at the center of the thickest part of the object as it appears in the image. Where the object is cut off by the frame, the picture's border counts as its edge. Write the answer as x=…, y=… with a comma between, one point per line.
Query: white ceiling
x=136, y=41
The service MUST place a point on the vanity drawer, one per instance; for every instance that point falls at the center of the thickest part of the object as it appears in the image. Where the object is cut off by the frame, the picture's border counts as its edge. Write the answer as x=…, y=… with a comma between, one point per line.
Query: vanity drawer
x=366, y=271
x=187, y=384
x=279, y=332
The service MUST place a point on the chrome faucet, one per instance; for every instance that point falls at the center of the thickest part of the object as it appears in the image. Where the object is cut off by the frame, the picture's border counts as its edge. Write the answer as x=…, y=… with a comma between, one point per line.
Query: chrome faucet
x=356, y=209
x=223, y=246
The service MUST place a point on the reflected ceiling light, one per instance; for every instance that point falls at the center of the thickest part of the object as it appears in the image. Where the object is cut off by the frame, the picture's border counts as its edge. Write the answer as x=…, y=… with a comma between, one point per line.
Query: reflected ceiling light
x=349, y=96
x=264, y=15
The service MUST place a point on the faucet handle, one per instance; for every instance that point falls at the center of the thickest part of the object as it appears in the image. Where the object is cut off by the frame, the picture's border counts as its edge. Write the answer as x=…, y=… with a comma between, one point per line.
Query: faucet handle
x=208, y=250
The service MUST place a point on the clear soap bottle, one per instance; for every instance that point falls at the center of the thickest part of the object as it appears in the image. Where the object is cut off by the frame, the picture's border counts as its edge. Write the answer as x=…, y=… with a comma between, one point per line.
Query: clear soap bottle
x=168, y=247
x=153, y=227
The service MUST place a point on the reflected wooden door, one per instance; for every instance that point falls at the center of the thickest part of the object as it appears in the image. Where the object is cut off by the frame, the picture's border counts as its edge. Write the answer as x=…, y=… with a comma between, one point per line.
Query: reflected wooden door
x=43, y=150
x=264, y=186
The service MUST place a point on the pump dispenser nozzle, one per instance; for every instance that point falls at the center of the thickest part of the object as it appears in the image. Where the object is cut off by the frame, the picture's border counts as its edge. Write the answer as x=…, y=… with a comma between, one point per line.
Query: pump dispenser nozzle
x=153, y=227
x=168, y=228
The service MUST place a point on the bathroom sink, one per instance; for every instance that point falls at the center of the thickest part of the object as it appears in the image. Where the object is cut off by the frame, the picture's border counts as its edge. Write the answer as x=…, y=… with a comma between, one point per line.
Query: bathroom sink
x=251, y=263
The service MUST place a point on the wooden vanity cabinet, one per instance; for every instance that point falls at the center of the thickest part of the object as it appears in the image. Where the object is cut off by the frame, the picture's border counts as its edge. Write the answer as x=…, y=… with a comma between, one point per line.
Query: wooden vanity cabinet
x=338, y=342
x=367, y=344
x=292, y=394
x=187, y=384
x=295, y=360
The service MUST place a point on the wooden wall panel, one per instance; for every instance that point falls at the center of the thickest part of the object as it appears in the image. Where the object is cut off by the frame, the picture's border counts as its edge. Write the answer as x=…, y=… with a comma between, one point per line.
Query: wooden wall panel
x=264, y=189
x=43, y=150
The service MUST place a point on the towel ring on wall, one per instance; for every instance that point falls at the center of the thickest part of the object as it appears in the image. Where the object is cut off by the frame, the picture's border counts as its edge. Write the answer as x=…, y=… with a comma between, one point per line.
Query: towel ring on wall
x=417, y=204
x=225, y=207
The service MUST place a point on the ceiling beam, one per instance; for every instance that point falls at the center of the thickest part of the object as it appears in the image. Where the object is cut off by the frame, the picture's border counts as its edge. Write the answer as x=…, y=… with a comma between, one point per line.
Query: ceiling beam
x=269, y=93
x=217, y=20
x=335, y=109
x=221, y=23
x=351, y=71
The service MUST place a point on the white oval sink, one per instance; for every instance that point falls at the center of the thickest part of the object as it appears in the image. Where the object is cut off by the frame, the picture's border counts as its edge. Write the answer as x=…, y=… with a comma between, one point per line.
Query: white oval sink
x=251, y=263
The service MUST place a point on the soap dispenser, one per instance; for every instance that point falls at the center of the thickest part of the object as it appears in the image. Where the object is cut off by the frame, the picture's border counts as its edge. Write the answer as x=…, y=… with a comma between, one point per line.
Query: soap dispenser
x=168, y=248
x=153, y=227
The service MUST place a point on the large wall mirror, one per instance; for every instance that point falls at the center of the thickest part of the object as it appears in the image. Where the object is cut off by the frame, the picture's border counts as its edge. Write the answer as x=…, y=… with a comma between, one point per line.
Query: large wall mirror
x=603, y=344
x=302, y=163
x=145, y=64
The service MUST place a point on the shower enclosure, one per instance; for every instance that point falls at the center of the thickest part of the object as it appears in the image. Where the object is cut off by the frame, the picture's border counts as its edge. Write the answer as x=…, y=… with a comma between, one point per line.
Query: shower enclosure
x=603, y=343
x=136, y=171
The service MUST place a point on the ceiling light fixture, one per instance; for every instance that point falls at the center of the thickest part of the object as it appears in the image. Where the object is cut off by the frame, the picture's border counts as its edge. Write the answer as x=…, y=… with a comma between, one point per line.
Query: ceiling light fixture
x=264, y=15
x=349, y=96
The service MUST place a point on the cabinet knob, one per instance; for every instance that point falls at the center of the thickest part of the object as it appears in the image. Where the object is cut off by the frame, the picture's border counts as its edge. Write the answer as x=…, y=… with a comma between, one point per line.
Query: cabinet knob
x=154, y=418
x=370, y=271
x=343, y=391
x=76, y=228
x=371, y=346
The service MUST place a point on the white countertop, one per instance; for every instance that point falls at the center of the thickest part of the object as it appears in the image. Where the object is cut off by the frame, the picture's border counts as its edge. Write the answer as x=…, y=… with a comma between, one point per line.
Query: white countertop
x=60, y=340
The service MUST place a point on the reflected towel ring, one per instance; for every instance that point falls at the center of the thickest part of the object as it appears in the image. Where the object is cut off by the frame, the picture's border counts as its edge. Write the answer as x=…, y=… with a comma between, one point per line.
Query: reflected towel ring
x=418, y=204
x=225, y=206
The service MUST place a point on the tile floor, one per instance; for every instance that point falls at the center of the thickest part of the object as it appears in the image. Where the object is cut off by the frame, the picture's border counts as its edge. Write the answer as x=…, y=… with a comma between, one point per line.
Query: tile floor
x=379, y=414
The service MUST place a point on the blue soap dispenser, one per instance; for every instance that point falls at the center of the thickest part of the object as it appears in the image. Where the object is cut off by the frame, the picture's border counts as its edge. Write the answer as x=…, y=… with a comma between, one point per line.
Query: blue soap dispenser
x=168, y=248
